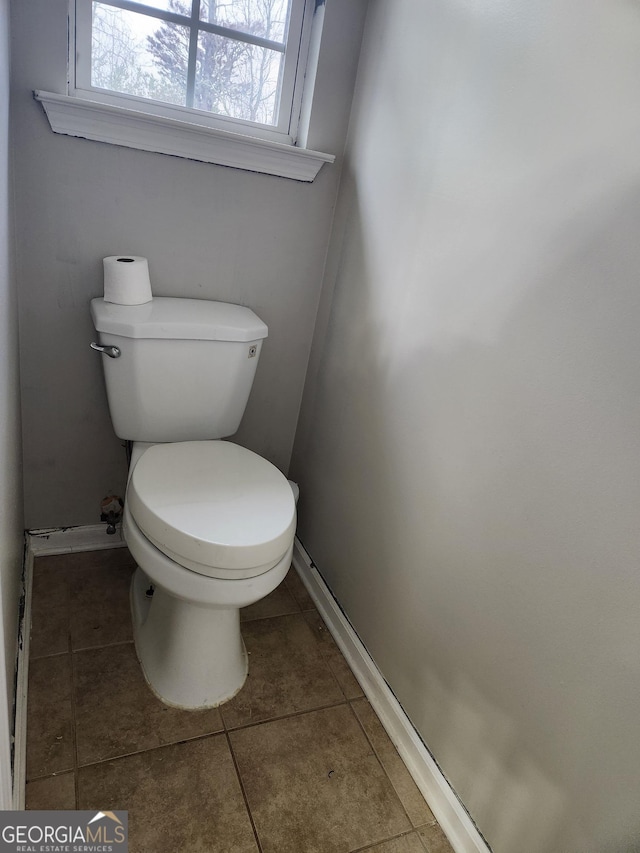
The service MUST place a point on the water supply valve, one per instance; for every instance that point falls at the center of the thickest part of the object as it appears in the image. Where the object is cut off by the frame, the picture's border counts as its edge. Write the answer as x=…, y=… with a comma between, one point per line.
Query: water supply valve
x=111, y=511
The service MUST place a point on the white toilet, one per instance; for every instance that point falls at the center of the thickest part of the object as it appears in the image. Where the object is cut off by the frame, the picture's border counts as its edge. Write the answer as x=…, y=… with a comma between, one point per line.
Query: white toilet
x=209, y=523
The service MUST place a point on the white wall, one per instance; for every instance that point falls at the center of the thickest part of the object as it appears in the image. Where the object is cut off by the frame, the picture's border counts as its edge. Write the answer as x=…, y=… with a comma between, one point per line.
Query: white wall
x=208, y=231
x=469, y=445
x=11, y=526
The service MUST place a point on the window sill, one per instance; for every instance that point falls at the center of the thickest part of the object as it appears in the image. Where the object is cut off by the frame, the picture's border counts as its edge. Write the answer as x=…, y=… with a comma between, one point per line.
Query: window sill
x=148, y=132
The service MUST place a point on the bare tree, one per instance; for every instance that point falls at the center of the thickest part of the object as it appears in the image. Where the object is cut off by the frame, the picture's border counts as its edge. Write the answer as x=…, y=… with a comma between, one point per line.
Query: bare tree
x=115, y=55
x=233, y=77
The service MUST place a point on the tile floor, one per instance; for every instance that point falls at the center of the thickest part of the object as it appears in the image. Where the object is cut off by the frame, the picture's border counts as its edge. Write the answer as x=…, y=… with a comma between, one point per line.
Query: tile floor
x=297, y=762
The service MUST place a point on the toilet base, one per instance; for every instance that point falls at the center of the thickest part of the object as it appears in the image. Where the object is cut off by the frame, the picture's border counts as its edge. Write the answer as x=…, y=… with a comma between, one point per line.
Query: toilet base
x=169, y=636
x=187, y=635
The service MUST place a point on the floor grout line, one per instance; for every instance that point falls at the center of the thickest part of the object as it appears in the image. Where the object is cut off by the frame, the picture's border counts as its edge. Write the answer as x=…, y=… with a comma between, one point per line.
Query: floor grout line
x=72, y=651
x=76, y=780
x=269, y=616
x=386, y=841
x=380, y=762
x=110, y=759
x=102, y=646
x=280, y=717
x=243, y=791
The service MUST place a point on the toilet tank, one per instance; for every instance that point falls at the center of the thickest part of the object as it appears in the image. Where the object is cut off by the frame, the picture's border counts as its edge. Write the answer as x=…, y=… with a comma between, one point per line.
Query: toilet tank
x=185, y=369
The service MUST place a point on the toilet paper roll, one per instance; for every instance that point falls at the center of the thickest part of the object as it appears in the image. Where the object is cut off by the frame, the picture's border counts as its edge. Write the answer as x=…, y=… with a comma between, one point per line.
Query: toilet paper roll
x=126, y=280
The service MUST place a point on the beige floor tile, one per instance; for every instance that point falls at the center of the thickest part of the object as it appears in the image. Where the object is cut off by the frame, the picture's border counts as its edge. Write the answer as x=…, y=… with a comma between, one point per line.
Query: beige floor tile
x=334, y=657
x=117, y=713
x=405, y=844
x=434, y=840
x=49, y=629
x=413, y=801
x=50, y=580
x=48, y=569
x=184, y=798
x=313, y=784
x=298, y=590
x=49, y=717
x=278, y=603
x=287, y=673
x=49, y=608
x=51, y=793
x=99, y=599
x=67, y=563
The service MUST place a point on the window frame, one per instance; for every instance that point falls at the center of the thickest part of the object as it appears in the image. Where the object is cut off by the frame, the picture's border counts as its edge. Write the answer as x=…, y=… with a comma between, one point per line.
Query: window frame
x=295, y=51
x=123, y=123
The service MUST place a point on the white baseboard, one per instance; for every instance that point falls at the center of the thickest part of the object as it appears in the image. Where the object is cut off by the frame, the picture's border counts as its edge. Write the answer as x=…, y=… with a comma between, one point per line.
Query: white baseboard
x=65, y=540
x=22, y=678
x=445, y=805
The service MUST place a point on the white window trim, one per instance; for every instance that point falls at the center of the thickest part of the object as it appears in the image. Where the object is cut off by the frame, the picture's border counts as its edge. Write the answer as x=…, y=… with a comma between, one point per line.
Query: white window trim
x=181, y=133
x=148, y=132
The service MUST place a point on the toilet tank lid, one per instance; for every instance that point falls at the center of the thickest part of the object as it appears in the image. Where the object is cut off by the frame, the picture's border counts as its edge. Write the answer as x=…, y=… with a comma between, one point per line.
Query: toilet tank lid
x=182, y=319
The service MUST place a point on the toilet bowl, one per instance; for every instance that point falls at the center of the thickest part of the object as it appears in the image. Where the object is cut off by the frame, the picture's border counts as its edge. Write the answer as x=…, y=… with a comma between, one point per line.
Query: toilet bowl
x=187, y=638
x=186, y=611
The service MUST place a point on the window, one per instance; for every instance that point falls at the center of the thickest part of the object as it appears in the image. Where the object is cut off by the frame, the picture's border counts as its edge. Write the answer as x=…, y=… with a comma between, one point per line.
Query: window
x=232, y=59
x=193, y=78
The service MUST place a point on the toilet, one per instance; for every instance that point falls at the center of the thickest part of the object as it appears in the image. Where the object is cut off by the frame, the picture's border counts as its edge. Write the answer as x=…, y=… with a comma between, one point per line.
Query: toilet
x=209, y=523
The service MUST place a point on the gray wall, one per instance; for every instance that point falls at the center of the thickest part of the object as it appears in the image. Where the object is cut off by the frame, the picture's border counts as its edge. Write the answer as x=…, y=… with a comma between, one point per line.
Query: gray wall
x=469, y=445
x=208, y=231
x=11, y=524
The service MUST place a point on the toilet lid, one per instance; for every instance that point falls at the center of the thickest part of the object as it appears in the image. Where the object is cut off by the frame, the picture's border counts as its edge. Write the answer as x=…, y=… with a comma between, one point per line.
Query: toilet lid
x=212, y=504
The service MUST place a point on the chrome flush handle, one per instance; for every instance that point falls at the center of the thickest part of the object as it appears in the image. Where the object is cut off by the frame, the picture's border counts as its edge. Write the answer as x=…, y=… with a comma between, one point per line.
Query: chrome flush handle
x=112, y=352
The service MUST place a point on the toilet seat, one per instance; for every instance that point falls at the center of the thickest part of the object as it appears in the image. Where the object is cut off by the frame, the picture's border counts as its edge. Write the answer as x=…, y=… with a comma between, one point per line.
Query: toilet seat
x=213, y=507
